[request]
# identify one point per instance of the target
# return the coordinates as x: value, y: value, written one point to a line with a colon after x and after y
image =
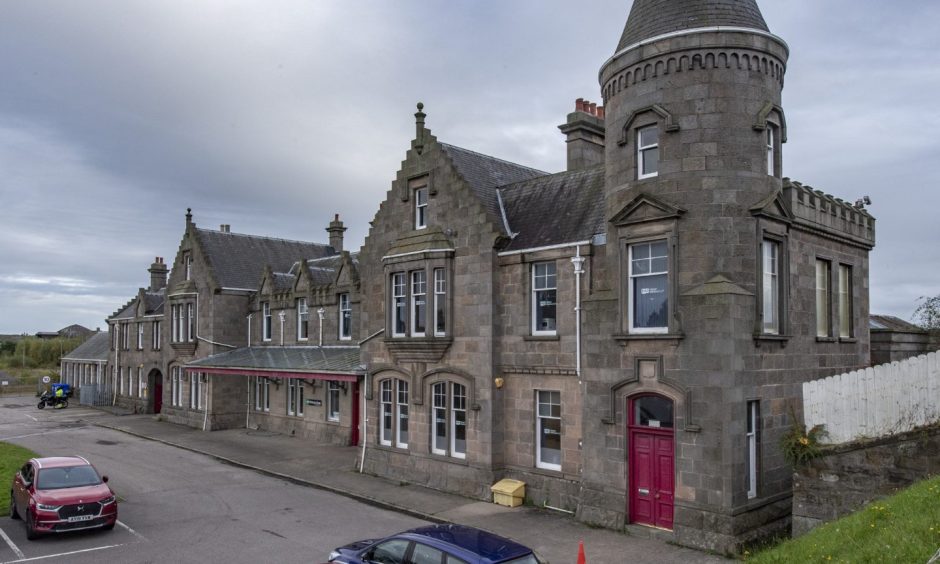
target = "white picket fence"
x: 883, y: 400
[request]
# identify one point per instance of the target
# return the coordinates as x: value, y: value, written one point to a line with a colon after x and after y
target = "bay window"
x: 440, y: 302
x: 419, y: 309
x: 399, y: 311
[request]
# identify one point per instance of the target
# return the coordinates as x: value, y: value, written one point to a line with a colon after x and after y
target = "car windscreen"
x: 66, y: 477
x: 527, y: 559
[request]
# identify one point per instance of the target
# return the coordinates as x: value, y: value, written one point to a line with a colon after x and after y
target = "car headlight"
x: 107, y: 500
x: 46, y: 507
x: 334, y: 555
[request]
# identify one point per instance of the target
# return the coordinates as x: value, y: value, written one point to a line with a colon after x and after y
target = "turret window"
x: 648, y: 307
x: 647, y: 151
x: 771, y: 154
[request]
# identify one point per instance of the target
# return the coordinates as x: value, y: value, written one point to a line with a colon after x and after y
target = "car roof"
x: 490, y: 547
x: 60, y: 461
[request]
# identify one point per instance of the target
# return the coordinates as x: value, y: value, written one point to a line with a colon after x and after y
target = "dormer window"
x: 266, y: 321
x: 421, y: 207
x: 647, y: 151
x: 303, y: 315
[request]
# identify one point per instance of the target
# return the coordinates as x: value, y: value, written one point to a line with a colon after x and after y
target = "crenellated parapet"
x: 827, y: 214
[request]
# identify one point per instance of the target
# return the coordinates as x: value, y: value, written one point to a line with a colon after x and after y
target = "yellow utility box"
x: 508, y: 492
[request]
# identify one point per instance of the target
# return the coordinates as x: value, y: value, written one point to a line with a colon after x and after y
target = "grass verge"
x: 902, y: 528
x: 11, y: 458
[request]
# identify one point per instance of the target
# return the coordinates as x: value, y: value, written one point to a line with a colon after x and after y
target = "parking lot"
x: 179, y: 506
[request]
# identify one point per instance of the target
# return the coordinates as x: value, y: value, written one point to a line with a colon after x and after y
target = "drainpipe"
x: 248, y: 401
x: 578, y: 262
x: 249, y: 329
x: 205, y: 420
x: 320, y: 313
x: 365, y: 423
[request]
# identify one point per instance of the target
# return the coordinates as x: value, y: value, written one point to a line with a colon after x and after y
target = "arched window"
x: 449, y: 417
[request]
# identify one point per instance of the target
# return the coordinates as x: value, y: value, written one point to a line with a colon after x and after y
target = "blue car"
x: 436, y: 544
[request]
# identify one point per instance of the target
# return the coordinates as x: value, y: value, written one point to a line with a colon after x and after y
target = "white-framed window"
x: 771, y: 157
x: 142, y: 384
x: 195, y: 390
x: 440, y: 302
x: 647, y: 151
x: 399, y: 305
x: 332, y: 400
x: 419, y: 303
x: 155, y: 336
x: 548, y: 430
x: 262, y: 394
x: 845, y: 301
x: 176, y: 391
x: 131, y: 388
x: 119, y: 374
x: 190, y: 323
x: 115, y: 336
x: 648, y: 302
x: 303, y: 319
x: 140, y: 336
x: 823, y: 291
x: 449, y: 406
x: 345, y: 318
x: 125, y: 336
x: 188, y: 265
x: 386, y: 420
x: 751, y: 455
x: 770, y: 255
x: 292, y: 386
x: 174, y: 324
x: 421, y: 208
x: 401, y: 414
x: 266, y: 321
x: 544, y: 298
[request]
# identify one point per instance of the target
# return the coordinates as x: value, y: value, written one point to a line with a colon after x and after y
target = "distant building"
x: 893, y: 339
x: 86, y: 363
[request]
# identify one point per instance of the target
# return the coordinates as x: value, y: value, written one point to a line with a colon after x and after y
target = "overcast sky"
x: 115, y: 116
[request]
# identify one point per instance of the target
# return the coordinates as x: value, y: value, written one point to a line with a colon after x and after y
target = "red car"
x: 63, y: 493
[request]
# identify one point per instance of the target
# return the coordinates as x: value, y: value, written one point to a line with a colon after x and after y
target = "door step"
x: 656, y: 533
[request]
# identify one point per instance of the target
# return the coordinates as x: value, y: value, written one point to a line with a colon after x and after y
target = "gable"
x: 774, y: 206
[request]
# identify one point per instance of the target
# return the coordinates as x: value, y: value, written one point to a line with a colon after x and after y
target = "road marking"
x: 31, y: 417
x: 132, y: 531
x: 11, y: 544
x: 34, y: 434
x: 63, y: 553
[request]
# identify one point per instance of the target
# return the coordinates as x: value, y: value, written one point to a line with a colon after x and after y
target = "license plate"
x: 81, y: 518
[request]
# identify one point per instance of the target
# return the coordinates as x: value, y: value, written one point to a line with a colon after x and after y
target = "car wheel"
x: 31, y: 533
x: 14, y: 514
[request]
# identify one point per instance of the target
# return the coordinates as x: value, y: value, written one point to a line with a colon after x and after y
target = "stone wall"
x: 849, y: 476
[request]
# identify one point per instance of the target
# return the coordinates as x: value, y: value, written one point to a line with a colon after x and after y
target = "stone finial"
x: 419, y: 128
x: 189, y: 216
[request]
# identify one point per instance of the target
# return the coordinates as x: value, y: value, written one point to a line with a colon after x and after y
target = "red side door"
x: 354, y: 422
x: 651, y: 462
x: 158, y: 394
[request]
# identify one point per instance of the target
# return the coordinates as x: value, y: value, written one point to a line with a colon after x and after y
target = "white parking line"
x: 31, y: 417
x: 12, y: 545
x: 34, y: 434
x: 63, y: 554
x: 132, y: 531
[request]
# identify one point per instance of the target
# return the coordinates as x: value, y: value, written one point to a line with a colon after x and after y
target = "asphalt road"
x: 178, y: 506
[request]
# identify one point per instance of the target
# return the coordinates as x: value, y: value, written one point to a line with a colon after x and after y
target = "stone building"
x: 136, y: 357
x: 86, y: 363
x: 627, y: 336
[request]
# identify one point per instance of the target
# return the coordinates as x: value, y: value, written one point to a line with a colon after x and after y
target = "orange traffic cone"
x: 581, y: 559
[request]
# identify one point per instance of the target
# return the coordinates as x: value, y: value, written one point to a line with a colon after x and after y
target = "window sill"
x: 825, y: 339
x: 848, y: 340
x: 768, y: 338
x: 541, y: 338
x: 625, y: 337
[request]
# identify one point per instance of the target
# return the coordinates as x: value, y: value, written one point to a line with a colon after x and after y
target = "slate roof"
x: 153, y: 302
x: 339, y: 360
x: 891, y: 323
x: 95, y: 348
x: 129, y: 310
x: 566, y: 207
x: 322, y: 271
x: 238, y: 260
x: 649, y: 18
x: 484, y: 174
x: 283, y: 282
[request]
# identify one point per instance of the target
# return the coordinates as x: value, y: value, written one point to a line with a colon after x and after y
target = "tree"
x: 927, y: 314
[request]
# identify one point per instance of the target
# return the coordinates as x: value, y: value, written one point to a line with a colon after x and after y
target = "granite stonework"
x: 848, y: 477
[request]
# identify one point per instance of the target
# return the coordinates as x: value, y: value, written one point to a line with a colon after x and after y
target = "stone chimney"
x: 585, y: 132
x: 158, y: 272
x: 336, y: 230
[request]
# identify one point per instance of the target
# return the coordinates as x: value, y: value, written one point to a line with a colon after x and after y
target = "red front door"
x: 158, y: 394
x: 651, y: 463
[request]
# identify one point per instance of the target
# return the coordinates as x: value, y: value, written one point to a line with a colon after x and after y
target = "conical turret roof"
x: 649, y: 18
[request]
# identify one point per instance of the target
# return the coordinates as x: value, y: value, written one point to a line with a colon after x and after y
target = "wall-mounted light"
x: 499, y: 383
